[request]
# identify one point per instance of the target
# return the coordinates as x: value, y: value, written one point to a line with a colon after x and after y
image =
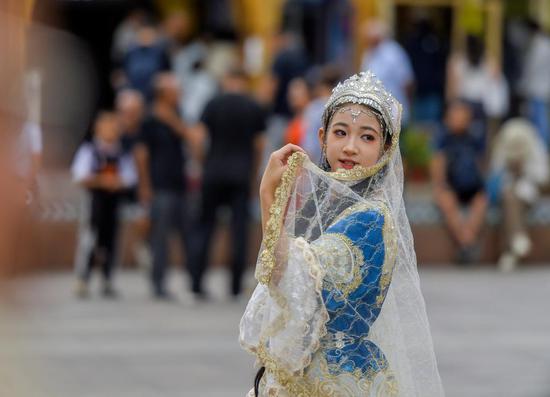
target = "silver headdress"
x: 365, y: 89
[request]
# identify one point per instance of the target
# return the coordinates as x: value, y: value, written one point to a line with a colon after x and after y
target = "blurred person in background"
x: 234, y: 124
x: 105, y: 169
x: 188, y: 58
x: 298, y: 98
x: 477, y: 79
x: 29, y: 156
x: 161, y: 158
x: 457, y: 179
x: 290, y: 61
x: 143, y: 61
x: 324, y: 80
x: 130, y: 108
x: 520, y: 164
x: 126, y: 34
x: 28, y: 150
x: 389, y: 61
x: 535, y: 80
x: 428, y: 54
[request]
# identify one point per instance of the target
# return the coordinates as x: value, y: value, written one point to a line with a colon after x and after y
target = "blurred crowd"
x: 191, y: 127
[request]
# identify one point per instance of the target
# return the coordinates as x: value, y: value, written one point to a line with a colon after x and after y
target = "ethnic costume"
x: 338, y: 309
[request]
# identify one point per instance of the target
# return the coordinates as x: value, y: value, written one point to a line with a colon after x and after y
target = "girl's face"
x: 107, y: 128
x: 354, y: 137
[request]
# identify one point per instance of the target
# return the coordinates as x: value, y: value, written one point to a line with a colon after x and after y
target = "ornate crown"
x: 365, y: 89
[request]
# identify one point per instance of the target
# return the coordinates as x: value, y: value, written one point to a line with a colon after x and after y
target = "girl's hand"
x: 274, y: 170
x: 272, y: 177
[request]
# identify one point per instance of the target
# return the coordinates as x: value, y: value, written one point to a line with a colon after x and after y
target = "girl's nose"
x: 350, y: 148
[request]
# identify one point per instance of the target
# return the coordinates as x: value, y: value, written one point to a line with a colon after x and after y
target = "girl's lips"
x: 348, y: 165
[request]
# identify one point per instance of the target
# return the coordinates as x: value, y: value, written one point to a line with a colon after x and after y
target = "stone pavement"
x: 491, y: 333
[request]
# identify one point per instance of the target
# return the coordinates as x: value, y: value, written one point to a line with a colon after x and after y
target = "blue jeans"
x: 168, y: 213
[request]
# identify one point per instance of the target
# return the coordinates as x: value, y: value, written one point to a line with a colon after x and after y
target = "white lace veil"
x: 285, y: 320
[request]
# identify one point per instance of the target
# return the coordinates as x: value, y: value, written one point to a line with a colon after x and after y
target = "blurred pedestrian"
x: 476, y: 78
x: 290, y: 61
x: 126, y: 34
x: 234, y: 123
x: 389, y: 61
x: 535, y: 80
x: 28, y: 149
x: 161, y: 160
x: 298, y: 98
x: 326, y: 79
x: 143, y: 61
x: 130, y: 108
x: 428, y: 52
x: 520, y: 164
x: 458, y: 180
x: 189, y: 55
x: 105, y: 169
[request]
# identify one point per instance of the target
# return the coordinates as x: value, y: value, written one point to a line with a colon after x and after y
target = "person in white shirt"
x: 535, y: 81
x: 520, y: 162
x: 389, y: 61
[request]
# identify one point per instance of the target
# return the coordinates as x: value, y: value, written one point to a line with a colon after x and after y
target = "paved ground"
x: 491, y: 331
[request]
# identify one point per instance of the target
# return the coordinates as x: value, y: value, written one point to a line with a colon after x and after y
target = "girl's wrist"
x: 266, y: 196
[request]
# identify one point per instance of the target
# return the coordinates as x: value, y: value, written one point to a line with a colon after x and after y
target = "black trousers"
x: 214, y: 196
x: 104, y: 226
x: 168, y: 214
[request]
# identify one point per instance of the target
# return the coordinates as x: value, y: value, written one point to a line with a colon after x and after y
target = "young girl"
x: 106, y: 170
x: 338, y: 309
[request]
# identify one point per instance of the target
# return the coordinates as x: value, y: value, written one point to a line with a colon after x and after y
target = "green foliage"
x: 415, y: 144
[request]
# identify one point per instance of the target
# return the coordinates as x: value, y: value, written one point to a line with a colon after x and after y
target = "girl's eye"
x: 368, y: 137
x: 340, y: 132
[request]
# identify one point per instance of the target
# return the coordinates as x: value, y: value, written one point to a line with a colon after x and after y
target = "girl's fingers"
x: 283, y: 153
x: 291, y: 148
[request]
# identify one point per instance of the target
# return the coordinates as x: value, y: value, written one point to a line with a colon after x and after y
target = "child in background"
x: 103, y: 168
x: 458, y: 181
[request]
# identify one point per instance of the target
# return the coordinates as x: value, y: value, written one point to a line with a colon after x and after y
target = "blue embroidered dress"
x: 310, y: 324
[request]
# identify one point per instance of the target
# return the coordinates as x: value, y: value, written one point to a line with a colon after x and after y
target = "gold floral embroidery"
x: 329, y: 251
x: 276, y: 215
x: 327, y: 383
x: 332, y: 372
x: 390, y: 254
x: 390, y: 241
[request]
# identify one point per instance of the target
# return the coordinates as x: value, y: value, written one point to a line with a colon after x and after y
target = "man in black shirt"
x: 161, y: 160
x: 234, y: 123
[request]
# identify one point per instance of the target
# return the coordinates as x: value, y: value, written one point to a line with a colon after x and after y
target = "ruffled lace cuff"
x: 285, y: 321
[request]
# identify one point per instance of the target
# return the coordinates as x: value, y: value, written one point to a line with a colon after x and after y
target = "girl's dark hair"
x: 257, y: 380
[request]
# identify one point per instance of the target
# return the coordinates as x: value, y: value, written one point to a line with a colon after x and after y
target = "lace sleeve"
x: 285, y: 320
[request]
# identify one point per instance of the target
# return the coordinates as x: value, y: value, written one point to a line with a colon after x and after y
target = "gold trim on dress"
x: 276, y: 215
